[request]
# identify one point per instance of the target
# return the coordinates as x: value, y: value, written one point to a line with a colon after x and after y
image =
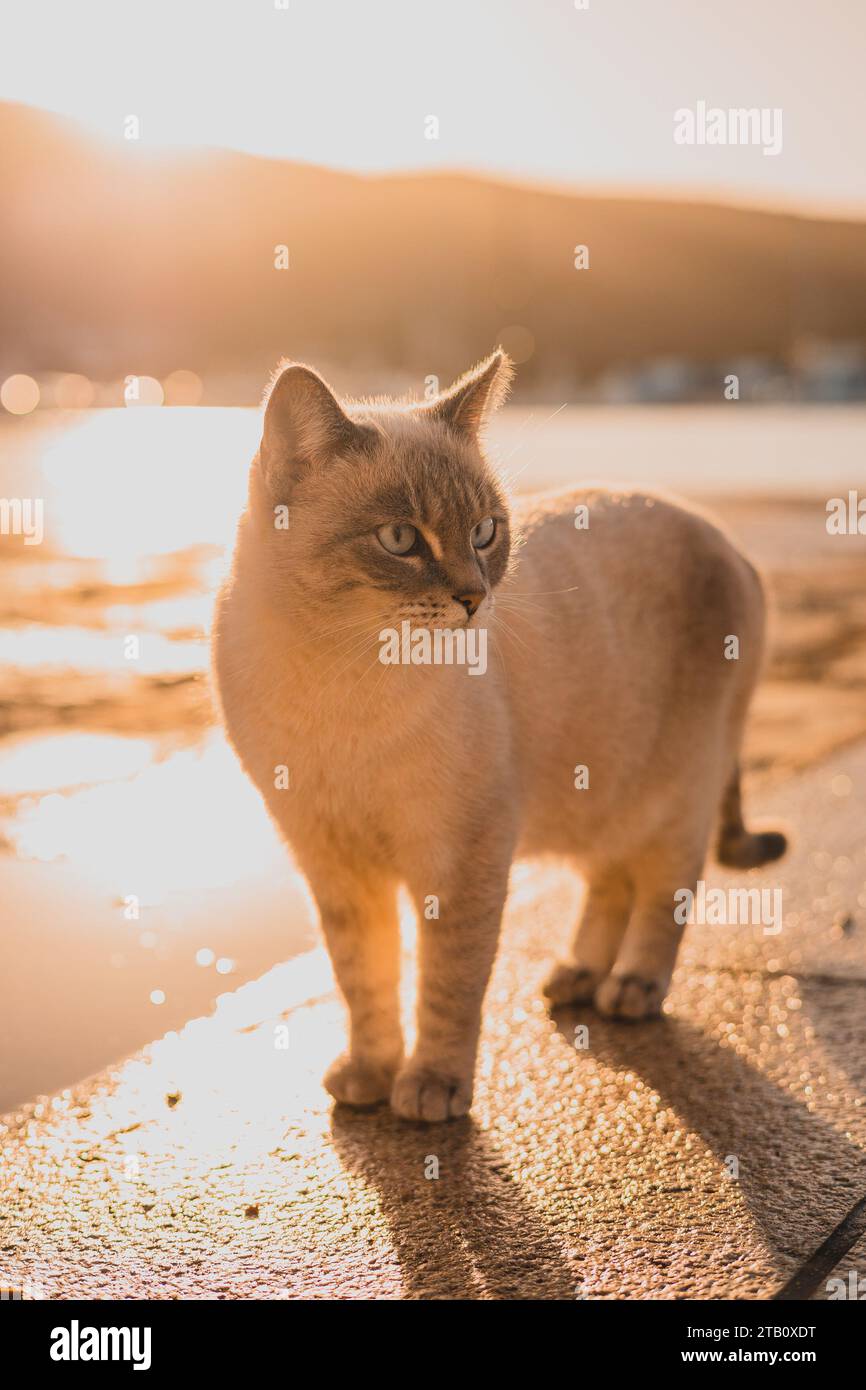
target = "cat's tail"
x: 736, y: 846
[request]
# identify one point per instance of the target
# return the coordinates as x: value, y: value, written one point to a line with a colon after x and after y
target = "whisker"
x: 357, y: 654
x: 538, y: 593
x: 529, y: 461
x: 345, y: 644
x: 519, y: 603
x: 503, y: 627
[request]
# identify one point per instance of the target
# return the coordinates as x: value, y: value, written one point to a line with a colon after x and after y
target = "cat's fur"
x: 607, y: 650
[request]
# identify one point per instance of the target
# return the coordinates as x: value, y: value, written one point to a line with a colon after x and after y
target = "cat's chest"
x: 344, y: 799
x: 345, y: 767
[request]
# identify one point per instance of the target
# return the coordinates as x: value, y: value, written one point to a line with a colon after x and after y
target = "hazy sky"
x: 532, y: 88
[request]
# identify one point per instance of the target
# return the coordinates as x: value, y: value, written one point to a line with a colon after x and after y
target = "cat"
x: 605, y: 729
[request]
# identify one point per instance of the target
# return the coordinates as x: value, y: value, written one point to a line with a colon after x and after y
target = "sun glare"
x: 127, y: 484
x: 164, y: 828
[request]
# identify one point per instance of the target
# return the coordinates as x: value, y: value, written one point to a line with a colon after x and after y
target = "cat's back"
x: 642, y: 549
x: 617, y: 580
x: 606, y: 516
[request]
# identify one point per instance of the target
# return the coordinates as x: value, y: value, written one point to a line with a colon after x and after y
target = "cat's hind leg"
x: 603, y: 922
x: 637, y: 984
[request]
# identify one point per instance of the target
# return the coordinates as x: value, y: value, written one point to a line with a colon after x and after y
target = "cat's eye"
x: 397, y: 538
x: 483, y: 533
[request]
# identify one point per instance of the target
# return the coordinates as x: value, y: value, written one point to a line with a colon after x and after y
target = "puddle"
x: 54, y: 761
x: 137, y: 900
x: 190, y: 824
x: 81, y: 650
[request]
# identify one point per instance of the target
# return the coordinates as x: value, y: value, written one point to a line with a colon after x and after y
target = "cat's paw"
x: 359, y: 1081
x: 629, y: 997
x: 422, y: 1093
x: 568, y: 983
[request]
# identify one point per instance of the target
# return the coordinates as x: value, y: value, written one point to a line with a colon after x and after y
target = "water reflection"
x: 191, y: 824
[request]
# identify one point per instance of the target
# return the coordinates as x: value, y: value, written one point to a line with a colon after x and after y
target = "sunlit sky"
x: 523, y: 88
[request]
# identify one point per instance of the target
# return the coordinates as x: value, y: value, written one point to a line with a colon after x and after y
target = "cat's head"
x: 382, y: 512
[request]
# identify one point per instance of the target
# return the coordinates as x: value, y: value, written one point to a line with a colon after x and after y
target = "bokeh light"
x: 74, y: 392
x: 518, y: 342
x: 19, y: 394
x: 142, y: 390
x: 183, y: 388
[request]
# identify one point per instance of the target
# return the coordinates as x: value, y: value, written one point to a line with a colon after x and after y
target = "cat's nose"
x: 470, y: 601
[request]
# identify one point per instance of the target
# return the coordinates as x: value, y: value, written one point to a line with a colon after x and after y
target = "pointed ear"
x: 470, y: 401
x: 304, y: 422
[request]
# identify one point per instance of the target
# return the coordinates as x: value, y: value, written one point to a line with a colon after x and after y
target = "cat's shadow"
x: 468, y: 1233
x: 471, y: 1232
x: 797, y: 1173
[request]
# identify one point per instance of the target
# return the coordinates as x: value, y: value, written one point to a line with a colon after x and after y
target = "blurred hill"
x: 119, y: 260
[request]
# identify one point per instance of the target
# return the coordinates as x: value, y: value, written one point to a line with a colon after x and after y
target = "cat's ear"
x: 469, y: 402
x: 304, y: 423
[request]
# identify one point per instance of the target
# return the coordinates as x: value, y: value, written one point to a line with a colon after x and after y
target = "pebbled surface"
x: 703, y: 1155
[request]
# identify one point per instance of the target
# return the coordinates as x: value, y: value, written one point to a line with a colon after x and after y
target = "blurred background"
x: 387, y: 191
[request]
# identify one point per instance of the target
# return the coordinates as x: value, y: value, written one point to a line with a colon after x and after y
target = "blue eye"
x: 483, y: 533
x: 398, y: 538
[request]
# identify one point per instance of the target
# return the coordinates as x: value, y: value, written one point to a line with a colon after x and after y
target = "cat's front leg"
x: 456, y: 953
x: 359, y: 921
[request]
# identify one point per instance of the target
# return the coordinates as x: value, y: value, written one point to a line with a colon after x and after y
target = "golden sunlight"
x: 125, y: 485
